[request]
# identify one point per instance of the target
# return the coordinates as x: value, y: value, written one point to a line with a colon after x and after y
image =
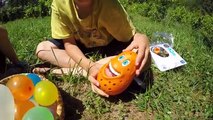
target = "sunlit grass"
x: 183, y: 93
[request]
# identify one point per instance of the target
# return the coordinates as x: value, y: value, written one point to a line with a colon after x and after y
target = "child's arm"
x: 76, y: 54
x: 92, y: 68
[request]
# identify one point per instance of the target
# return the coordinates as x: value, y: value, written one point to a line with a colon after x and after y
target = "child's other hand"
x: 141, y: 43
x: 98, y: 91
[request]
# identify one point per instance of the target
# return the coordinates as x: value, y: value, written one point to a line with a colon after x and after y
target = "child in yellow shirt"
x: 80, y: 27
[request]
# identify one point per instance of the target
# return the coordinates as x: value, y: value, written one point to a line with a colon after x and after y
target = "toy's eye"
x: 125, y: 62
x: 121, y: 57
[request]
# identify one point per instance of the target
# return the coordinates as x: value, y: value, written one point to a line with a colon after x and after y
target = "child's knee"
x: 40, y: 47
x: 43, y: 47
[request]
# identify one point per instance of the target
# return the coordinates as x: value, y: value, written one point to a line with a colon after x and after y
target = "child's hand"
x: 98, y: 91
x: 141, y: 43
x: 92, y: 78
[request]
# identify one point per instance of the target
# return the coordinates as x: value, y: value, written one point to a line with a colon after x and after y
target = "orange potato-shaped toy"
x: 116, y: 75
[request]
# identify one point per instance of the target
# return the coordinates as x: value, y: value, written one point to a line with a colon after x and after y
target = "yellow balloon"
x: 46, y: 93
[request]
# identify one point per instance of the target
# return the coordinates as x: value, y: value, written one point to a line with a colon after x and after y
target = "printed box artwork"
x: 165, y: 57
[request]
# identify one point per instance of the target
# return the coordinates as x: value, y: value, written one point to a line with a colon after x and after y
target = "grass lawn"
x: 183, y: 93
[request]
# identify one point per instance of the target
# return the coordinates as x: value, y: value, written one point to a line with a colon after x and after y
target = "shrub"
x: 10, y: 13
x: 196, y: 14
x: 206, y: 30
x: 24, y: 8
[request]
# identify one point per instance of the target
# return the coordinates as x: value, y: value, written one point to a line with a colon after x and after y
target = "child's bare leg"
x: 77, y: 70
x: 47, y: 51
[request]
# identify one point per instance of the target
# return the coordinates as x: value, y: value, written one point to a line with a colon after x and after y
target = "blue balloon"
x: 34, y: 77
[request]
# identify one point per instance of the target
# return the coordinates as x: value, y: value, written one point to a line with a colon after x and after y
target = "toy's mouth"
x: 110, y: 71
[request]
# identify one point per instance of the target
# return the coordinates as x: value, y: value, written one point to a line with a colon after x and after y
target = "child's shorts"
x: 113, y: 48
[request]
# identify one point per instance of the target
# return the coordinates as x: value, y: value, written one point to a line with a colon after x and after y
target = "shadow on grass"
x: 130, y: 93
x: 208, y: 42
x: 73, y: 108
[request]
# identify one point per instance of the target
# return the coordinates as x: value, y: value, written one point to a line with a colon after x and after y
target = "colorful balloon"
x: 21, y: 87
x: 34, y: 77
x: 6, y: 103
x: 21, y: 108
x: 38, y: 113
x: 46, y: 93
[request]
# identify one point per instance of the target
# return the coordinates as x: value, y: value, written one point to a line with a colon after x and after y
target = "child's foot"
x: 59, y: 71
x: 40, y: 70
x: 68, y: 71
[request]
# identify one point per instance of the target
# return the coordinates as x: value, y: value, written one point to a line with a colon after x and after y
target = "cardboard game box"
x: 165, y: 57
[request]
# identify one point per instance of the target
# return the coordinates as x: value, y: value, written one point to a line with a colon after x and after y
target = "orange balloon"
x: 21, y: 87
x: 116, y: 75
x: 21, y: 107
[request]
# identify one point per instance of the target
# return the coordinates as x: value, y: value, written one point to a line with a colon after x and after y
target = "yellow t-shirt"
x: 108, y: 20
